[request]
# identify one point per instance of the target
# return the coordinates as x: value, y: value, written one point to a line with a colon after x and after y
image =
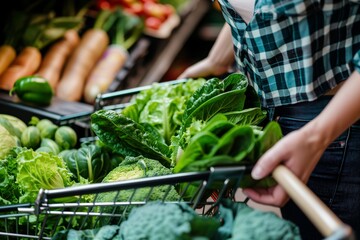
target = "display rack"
x: 148, y: 61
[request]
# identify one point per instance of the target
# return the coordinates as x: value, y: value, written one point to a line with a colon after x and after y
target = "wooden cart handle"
x: 317, y: 212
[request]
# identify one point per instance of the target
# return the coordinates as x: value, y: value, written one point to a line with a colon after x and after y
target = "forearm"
x: 222, y: 52
x: 219, y: 60
x: 342, y: 111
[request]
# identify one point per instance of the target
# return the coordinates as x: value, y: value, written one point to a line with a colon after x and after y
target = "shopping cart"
x: 42, y: 219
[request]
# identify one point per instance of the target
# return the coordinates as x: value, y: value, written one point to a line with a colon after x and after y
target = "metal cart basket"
x: 53, y: 208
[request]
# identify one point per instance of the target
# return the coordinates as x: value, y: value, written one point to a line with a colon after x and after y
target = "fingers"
x: 274, y: 196
x: 269, y: 160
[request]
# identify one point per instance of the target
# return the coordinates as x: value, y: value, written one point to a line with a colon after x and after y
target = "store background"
x: 194, y: 47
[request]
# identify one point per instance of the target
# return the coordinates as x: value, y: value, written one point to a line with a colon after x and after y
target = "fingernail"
x: 256, y: 173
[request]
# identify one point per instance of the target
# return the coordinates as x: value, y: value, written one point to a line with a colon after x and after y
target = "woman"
x: 303, y: 59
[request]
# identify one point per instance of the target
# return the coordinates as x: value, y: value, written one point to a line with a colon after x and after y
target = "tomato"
x: 136, y: 8
x: 153, y: 23
x: 155, y: 10
x: 168, y: 10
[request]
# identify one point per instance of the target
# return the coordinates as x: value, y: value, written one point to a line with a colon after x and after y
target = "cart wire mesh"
x: 80, y: 207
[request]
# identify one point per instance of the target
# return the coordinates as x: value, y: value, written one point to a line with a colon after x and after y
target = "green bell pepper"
x: 33, y: 89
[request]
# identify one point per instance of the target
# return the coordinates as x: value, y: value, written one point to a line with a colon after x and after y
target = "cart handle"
x: 317, y: 212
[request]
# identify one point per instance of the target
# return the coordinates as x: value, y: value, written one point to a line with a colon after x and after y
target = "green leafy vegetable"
x: 162, y: 106
x: 40, y: 170
x: 90, y: 161
x: 106, y: 232
x: 216, y: 96
x: 242, y: 222
x: 134, y: 168
x: 9, y: 189
x: 222, y: 143
x: 128, y: 137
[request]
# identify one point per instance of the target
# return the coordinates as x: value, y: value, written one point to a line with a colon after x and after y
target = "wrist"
x: 317, y: 134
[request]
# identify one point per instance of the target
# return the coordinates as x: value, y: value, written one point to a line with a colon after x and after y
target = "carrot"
x: 104, y: 72
x: 55, y: 58
x: 124, y: 30
x: 92, y: 45
x: 25, y: 63
x: 7, y: 56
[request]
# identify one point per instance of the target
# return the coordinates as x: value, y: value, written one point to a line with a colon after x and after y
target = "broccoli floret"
x: 136, y: 167
x: 242, y: 222
x: 104, y: 233
x: 132, y: 168
x: 167, y: 221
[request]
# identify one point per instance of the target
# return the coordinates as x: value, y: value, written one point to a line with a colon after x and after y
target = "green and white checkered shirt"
x: 295, y: 51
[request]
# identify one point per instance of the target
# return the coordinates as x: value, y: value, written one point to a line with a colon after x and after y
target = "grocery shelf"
x: 149, y: 60
x: 161, y: 53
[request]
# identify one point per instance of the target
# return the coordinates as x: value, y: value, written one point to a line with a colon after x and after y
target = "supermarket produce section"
x: 146, y: 53
x: 96, y: 142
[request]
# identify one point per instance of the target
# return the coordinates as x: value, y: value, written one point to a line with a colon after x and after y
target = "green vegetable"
x: 40, y: 170
x: 222, y: 143
x: 33, y: 89
x: 89, y: 161
x: 10, y: 127
x: 216, y: 96
x: 15, y: 122
x: 134, y: 168
x: 127, y: 137
x: 162, y: 106
x: 48, y: 131
x: 66, y: 137
x: 9, y: 138
x: 8, y: 142
x: 44, y: 149
x: 41, y: 124
x: 31, y: 137
x: 124, y: 29
x: 242, y: 222
x: 232, y: 97
x: 106, y: 232
x: 170, y: 221
x: 9, y: 189
x: 51, y: 144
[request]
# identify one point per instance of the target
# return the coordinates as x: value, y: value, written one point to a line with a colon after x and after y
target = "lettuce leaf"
x: 40, y: 170
x: 127, y: 137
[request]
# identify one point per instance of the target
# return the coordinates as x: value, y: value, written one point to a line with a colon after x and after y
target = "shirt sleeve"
x: 356, y: 61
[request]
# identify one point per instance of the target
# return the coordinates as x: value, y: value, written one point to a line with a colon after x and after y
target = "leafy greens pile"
x: 160, y: 122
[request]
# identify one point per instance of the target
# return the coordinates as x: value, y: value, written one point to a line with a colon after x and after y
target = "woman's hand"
x: 299, y: 151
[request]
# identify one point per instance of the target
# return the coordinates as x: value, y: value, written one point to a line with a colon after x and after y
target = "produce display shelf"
x: 149, y: 59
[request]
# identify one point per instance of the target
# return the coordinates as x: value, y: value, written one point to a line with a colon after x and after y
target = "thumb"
x: 266, y: 164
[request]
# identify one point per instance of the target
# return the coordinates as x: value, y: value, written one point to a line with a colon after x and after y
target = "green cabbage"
x: 8, y: 142
x: 40, y: 170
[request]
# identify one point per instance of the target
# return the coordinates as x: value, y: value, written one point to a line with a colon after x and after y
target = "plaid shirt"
x: 297, y: 50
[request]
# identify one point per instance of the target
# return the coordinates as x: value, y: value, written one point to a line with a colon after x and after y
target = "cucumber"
x: 30, y: 137
x: 66, y: 137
